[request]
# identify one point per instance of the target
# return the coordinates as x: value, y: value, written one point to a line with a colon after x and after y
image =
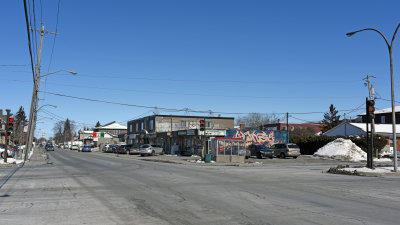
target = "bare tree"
x: 58, y: 131
x: 257, y: 120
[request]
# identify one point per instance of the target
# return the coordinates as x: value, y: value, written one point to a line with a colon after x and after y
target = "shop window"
x: 383, y: 119
x: 151, y: 124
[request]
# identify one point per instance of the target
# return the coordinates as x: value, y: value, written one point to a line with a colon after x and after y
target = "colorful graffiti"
x: 268, y: 137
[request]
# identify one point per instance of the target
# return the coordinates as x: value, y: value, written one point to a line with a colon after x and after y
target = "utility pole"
x: 5, y: 154
x: 370, y: 93
x: 287, y: 127
x: 35, y: 99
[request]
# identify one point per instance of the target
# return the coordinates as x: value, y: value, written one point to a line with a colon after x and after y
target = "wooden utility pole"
x: 35, y: 99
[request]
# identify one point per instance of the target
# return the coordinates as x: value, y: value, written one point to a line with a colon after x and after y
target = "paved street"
x: 99, y: 188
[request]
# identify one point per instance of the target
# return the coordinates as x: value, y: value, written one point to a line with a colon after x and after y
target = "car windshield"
x: 293, y: 146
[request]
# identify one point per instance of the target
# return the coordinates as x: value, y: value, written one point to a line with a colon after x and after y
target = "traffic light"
x: 370, y: 109
x: 201, y: 125
x: 11, y: 124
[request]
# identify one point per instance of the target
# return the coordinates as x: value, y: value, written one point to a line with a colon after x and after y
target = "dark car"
x: 113, y: 148
x: 122, y: 149
x: 49, y: 147
x: 86, y: 148
x: 260, y: 151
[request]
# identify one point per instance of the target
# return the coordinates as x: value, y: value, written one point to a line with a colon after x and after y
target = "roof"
x: 379, y: 128
x: 178, y: 116
x: 112, y: 126
x: 386, y: 110
x: 359, y: 128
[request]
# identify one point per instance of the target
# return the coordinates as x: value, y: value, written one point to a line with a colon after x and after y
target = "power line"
x: 191, y: 94
x: 29, y: 37
x: 169, y: 109
x: 208, y: 81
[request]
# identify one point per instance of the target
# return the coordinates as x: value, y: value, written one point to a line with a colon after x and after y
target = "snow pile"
x: 11, y: 161
x: 342, y: 149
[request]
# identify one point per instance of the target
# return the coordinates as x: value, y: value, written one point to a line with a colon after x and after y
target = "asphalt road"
x: 99, y: 188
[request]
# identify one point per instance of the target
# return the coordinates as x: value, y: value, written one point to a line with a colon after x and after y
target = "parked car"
x: 106, y: 148
x: 149, y: 149
x: 242, y: 151
x: 286, y: 150
x: 86, y: 148
x: 260, y: 151
x: 10, y: 153
x: 74, y: 147
x: 113, y: 148
x: 134, y: 149
x: 49, y: 147
x: 122, y: 149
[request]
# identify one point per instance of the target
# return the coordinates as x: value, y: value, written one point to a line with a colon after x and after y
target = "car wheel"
x: 153, y: 153
x: 142, y: 155
x: 259, y: 156
x: 162, y: 152
x: 294, y: 157
x: 271, y: 157
x: 2, y: 155
x: 282, y: 155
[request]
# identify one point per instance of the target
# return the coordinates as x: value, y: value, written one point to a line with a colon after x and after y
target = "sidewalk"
x: 39, y: 157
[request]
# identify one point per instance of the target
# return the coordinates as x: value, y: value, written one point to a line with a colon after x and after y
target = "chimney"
x: 242, y: 126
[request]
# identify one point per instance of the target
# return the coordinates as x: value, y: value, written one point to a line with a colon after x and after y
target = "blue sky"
x: 231, y: 56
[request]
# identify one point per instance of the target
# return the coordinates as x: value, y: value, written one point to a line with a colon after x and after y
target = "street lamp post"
x: 390, y: 47
x: 34, y: 110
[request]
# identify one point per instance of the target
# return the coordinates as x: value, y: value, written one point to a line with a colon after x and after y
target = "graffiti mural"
x: 267, y: 137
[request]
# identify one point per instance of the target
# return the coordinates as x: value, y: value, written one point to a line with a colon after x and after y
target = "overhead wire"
x: 29, y: 38
x: 171, y: 109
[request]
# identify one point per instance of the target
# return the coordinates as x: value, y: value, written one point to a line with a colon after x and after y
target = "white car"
x: 74, y: 147
x: 149, y: 149
x: 10, y: 153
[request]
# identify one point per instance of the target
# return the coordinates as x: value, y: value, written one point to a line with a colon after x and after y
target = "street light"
x: 34, y: 105
x: 54, y: 106
x: 390, y: 47
x: 72, y: 72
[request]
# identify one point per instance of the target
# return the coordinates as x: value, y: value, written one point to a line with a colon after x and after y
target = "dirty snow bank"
x: 342, y: 149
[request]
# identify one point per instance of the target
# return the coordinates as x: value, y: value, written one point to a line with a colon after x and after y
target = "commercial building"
x: 175, y: 133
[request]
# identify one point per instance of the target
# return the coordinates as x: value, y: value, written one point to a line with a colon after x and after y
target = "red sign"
x: 94, y: 134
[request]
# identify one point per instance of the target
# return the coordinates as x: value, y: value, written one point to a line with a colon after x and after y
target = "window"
x: 130, y: 128
x: 284, y: 128
x: 183, y: 123
x: 116, y: 132
x: 137, y: 127
x: 383, y: 119
x: 208, y: 124
x: 142, y: 126
x: 151, y: 124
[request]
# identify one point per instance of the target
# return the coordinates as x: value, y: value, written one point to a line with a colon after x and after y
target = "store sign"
x: 182, y: 132
x: 190, y: 132
x: 214, y: 133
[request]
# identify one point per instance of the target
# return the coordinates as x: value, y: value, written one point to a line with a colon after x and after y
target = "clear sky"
x: 233, y: 56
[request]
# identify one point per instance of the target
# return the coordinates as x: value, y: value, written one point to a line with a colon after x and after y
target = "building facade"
x: 317, y: 127
x: 176, y: 133
x: 384, y: 116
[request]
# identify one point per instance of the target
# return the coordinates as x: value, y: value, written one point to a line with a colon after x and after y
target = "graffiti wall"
x: 268, y: 137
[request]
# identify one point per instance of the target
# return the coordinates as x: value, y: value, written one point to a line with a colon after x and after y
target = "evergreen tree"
x: 19, y: 137
x: 98, y: 124
x: 331, y: 119
x: 67, y: 130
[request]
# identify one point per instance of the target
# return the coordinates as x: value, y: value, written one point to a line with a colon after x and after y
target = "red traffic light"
x: 10, y: 120
x: 201, y: 121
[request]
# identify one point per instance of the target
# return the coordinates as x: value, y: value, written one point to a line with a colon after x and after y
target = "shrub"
x: 309, y: 145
